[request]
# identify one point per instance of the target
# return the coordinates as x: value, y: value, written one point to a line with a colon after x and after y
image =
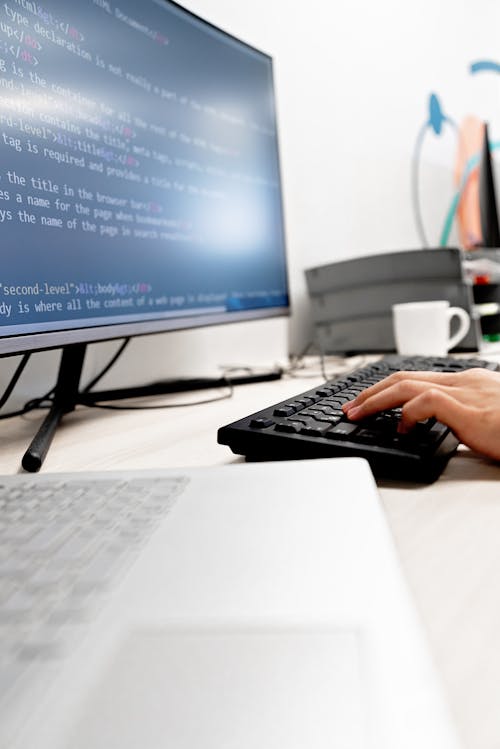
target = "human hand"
x: 468, y: 402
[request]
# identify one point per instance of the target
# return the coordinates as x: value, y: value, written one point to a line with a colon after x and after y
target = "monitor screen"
x: 139, y: 174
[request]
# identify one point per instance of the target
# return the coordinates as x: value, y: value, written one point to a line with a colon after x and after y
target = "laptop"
x: 263, y: 606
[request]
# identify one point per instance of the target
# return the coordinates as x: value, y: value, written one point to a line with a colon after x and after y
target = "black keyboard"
x: 312, y: 425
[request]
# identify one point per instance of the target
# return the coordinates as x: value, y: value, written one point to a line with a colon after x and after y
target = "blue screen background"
x: 139, y: 172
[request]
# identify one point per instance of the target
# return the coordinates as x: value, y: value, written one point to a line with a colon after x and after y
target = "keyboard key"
x: 351, y: 393
x: 318, y: 430
x: 284, y: 411
x: 296, y: 405
x: 341, y: 399
x: 261, y: 423
x: 385, y: 423
x: 337, y: 404
x: 290, y: 427
x: 436, y: 432
x: 326, y: 409
x: 328, y: 418
x: 344, y: 430
x: 306, y: 401
x: 46, y: 538
x: 369, y: 436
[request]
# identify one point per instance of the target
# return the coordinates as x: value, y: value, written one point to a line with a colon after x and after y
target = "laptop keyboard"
x: 64, y: 542
x: 313, y: 425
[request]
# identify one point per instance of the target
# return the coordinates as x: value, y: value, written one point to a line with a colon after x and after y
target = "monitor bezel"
x: 19, y: 343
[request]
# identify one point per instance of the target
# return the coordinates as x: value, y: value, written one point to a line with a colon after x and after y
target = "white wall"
x: 353, y: 80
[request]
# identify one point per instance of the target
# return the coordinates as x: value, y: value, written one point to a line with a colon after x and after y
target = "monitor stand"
x: 67, y: 396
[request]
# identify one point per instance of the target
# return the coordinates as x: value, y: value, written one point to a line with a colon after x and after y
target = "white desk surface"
x: 447, y: 534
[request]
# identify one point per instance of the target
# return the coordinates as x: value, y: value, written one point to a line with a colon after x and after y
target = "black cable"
x: 39, y: 402
x: 46, y: 401
x: 108, y: 366
x: 111, y: 407
x: 30, y: 405
x: 21, y: 412
x: 17, y: 374
x: 296, y: 362
x: 313, y: 346
x: 322, y: 364
x: 27, y: 408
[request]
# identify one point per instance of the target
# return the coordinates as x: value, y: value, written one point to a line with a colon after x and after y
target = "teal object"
x: 436, y: 115
x: 469, y: 167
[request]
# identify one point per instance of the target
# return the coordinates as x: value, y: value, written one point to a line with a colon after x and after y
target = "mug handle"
x: 463, y: 329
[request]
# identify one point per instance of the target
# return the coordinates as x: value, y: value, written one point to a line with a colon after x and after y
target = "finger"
x: 391, y: 397
x: 440, y: 404
x: 439, y: 378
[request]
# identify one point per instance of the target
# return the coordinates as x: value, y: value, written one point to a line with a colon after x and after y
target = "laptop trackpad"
x: 244, y: 689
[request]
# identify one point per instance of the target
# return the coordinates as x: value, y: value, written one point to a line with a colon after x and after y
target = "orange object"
x: 470, y: 139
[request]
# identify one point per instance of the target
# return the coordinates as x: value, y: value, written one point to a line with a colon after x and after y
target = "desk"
x: 447, y: 534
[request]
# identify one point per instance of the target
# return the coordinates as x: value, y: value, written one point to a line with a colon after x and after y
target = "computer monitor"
x: 139, y: 177
x: 490, y: 229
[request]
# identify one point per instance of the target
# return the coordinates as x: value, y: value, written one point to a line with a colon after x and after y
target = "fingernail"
x: 352, y: 413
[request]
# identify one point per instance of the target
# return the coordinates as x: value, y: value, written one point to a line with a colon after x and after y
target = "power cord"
x: 15, y: 377
x: 31, y: 405
x: 341, y: 364
x: 45, y: 401
x: 112, y: 407
x: 108, y: 366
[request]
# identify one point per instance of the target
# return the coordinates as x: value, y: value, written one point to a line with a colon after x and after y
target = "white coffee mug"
x: 423, y: 328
